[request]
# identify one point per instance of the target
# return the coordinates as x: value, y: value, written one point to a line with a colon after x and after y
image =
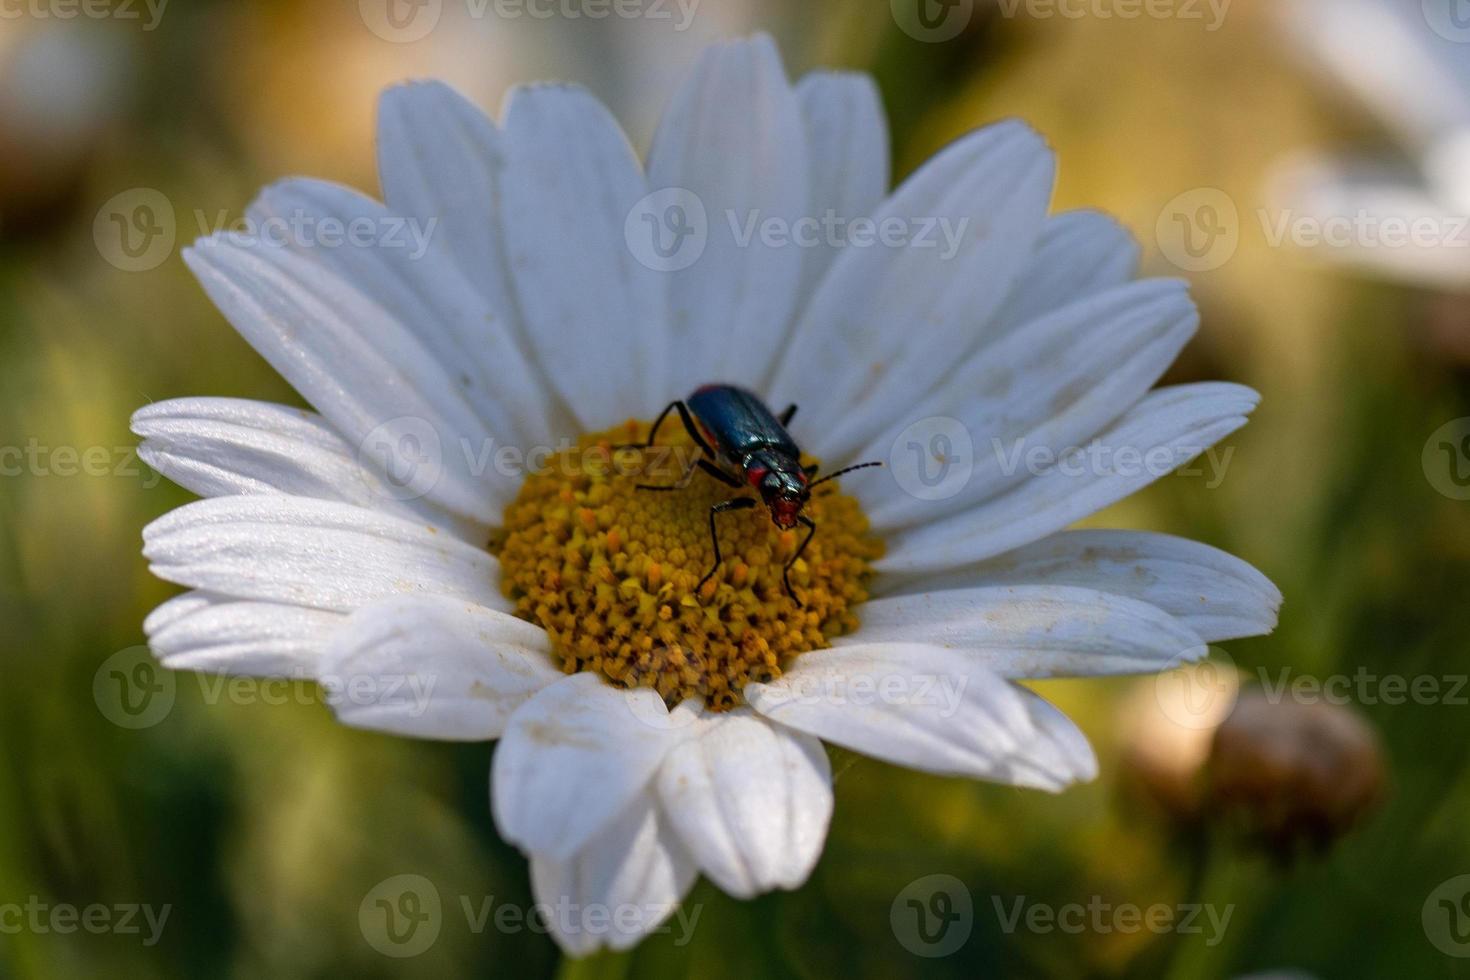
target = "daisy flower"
x: 653, y: 726
x: 1407, y: 63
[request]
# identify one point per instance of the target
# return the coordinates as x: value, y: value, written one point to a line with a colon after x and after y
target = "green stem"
x: 1166, y: 959
x: 599, y: 966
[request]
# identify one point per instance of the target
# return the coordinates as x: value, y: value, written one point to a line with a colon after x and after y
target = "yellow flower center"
x: 610, y: 570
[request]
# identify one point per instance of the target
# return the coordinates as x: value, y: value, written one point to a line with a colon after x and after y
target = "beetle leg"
x: 811, y: 469
x: 699, y: 464
x: 689, y: 427
x: 734, y: 503
x: 653, y: 432
x: 785, y: 417
x: 718, y: 474
x: 811, y: 533
x: 699, y: 441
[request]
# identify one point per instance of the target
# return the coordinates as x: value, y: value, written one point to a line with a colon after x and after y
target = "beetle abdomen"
x: 738, y: 421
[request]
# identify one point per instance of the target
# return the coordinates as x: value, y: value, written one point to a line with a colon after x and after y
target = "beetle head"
x: 782, y: 484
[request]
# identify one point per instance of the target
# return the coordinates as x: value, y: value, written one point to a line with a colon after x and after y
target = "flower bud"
x: 1294, y: 773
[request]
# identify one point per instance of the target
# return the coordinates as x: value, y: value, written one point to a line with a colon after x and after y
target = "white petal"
x: 920, y: 706
x: 361, y: 367
x: 314, y: 553
x: 751, y: 802
x: 847, y: 148
x: 1385, y: 54
x: 1051, y: 384
x: 433, y: 667
x: 1338, y: 195
x: 573, y: 757
x: 595, y: 315
x: 1079, y: 254
x: 622, y: 886
x: 441, y: 160
x: 885, y: 314
x: 214, y: 634
x: 218, y: 447
x: 1161, y: 433
x: 420, y: 287
x: 733, y: 137
x: 1215, y: 595
x: 1034, y: 631
x: 1062, y: 748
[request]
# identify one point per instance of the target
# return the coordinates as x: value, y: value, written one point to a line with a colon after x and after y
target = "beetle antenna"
x: 833, y: 476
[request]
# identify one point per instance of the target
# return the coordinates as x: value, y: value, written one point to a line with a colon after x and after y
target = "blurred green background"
x: 263, y: 826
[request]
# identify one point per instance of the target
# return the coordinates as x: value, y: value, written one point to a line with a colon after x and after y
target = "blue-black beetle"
x: 733, y: 428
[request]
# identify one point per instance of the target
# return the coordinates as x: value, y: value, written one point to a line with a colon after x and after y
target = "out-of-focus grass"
x: 264, y: 826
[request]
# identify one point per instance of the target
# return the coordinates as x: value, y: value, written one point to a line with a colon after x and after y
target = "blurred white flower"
x: 62, y: 85
x: 1403, y: 213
